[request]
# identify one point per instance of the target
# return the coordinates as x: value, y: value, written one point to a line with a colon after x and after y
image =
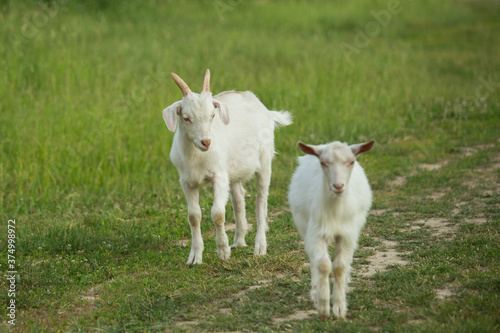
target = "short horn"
x: 181, y: 84
x: 206, y: 82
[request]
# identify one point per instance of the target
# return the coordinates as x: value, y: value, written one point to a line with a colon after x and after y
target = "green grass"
x: 84, y: 164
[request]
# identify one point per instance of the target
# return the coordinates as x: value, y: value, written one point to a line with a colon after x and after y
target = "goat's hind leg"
x: 263, y: 181
x: 240, y: 221
x: 194, y: 217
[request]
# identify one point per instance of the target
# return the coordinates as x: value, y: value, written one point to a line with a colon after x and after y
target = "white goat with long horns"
x: 225, y: 140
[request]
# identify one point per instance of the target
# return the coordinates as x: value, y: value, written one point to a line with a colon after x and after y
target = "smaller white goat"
x: 225, y: 140
x: 329, y: 198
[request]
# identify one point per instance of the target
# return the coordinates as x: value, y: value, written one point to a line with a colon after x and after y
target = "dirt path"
x: 386, y: 254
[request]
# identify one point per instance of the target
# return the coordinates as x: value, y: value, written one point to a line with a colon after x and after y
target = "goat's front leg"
x: 221, y: 195
x: 194, y: 217
x: 344, y: 251
x: 321, y: 267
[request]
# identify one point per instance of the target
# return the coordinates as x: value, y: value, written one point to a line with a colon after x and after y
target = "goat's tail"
x: 281, y: 118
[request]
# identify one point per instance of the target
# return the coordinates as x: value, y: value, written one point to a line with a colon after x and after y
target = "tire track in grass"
x: 387, y: 255
x: 442, y: 227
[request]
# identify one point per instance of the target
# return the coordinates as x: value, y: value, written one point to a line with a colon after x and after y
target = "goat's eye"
x: 351, y: 163
x: 323, y: 164
x: 187, y: 119
x: 213, y: 116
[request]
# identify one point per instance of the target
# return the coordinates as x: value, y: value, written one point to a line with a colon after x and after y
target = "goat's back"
x: 249, y: 136
x: 244, y: 105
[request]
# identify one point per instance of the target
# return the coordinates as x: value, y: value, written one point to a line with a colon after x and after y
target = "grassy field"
x: 101, y: 235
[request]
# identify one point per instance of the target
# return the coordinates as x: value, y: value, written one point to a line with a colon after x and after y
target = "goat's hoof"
x: 323, y: 316
x: 260, y: 250
x: 238, y: 244
x: 260, y: 253
x: 224, y: 253
x: 339, y: 311
x: 191, y: 263
x: 194, y: 260
x: 313, y: 295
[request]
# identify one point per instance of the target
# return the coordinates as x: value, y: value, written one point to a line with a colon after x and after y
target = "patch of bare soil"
x: 496, y: 163
x: 432, y: 166
x: 90, y: 296
x: 468, y: 151
x: 444, y: 293
x: 477, y: 220
x: 241, y: 294
x: 458, y: 206
x: 486, y: 146
x: 185, y: 324
x: 226, y: 311
x: 398, y: 181
x: 416, y: 321
x: 401, y: 180
x: 297, y: 315
x: 89, y: 299
x: 383, y: 258
x: 439, y: 194
x: 439, y: 226
x: 378, y: 212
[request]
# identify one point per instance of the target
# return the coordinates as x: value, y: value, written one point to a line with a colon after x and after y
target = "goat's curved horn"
x: 181, y: 84
x: 206, y: 81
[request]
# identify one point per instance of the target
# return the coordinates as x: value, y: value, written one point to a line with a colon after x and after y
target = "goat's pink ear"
x: 361, y: 148
x: 170, y: 115
x: 309, y: 149
x: 223, y: 111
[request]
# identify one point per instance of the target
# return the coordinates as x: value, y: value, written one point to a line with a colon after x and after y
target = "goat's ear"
x: 223, y: 111
x: 361, y: 148
x: 310, y: 149
x: 170, y: 115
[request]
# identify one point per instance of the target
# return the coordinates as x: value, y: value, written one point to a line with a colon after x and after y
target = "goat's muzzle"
x: 206, y: 143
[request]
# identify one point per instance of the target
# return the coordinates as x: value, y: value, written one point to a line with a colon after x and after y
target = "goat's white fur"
x: 329, y: 198
x: 225, y: 140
